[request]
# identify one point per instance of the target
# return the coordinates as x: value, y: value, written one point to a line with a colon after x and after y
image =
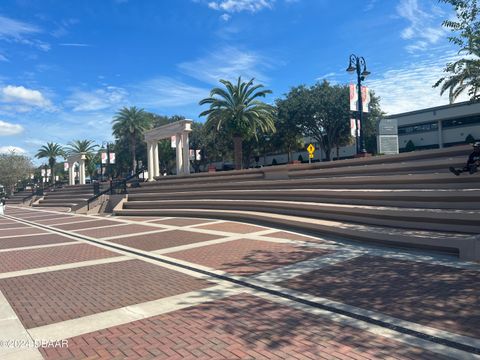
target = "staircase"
x: 18, y: 197
x: 403, y: 200
x: 67, y: 196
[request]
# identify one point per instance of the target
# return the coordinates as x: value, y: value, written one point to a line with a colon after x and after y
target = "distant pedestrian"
x: 2, y: 206
x: 473, y: 161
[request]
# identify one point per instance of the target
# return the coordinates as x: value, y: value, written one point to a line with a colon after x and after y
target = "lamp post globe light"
x: 357, y: 64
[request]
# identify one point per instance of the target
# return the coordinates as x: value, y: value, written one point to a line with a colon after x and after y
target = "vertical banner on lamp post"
x: 65, y: 166
x: 112, y: 158
x: 365, y: 98
x: 353, y: 97
x: 104, y: 157
x: 353, y: 127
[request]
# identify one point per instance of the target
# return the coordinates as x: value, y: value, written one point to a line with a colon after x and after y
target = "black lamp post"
x: 358, y: 64
x: 107, y: 145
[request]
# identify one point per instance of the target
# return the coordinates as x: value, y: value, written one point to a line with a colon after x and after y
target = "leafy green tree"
x: 288, y: 136
x: 86, y: 147
x: 469, y: 139
x: 51, y: 151
x: 464, y: 74
x: 236, y: 112
x: 14, y: 168
x: 130, y: 123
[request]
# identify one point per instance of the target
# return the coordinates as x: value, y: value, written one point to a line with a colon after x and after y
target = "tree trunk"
x: 134, y: 158
x: 327, y: 154
x: 338, y: 153
x: 237, y: 150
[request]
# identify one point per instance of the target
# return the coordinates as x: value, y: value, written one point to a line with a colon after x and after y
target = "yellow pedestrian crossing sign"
x: 311, y: 149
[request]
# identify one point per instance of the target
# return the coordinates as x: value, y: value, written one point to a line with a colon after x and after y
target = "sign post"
x: 311, y: 150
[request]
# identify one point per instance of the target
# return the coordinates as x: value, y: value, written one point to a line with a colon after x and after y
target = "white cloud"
x: 9, y: 149
x: 14, y: 29
x: 98, y: 99
x: 232, y: 6
x: 424, y: 28
x: 3, y: 58
x: 410, y: 87
x: 7, y: 129
x: 167, y: 92
x: 228, y: 63
x: 20, y: 32
x: 22, y: 95
x: 225, y: 17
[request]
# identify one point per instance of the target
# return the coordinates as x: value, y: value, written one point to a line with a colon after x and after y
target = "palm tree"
x: 130, y: 123
x: 50, y: 151
x: 465, y: 75
x: 86, y: 147
x: 237, y: 112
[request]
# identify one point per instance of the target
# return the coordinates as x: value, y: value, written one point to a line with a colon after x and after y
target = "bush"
x: 469, y: 139
x: 274, y: 161
x: 410, y: 146
x: 300, y: 158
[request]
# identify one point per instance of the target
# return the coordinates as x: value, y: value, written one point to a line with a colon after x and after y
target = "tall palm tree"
x: 130, y: 123
x: 86, y: 147
x: 465, y: 75
x: 237, y: 111
x: 50, y: 151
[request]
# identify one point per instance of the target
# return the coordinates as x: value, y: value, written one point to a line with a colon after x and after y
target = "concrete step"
x: 60, y: 201
x: 427, y: 199
x: 410, y: 218
x: 467, y: 246
x: 414, y: 181
x: 66, y: 205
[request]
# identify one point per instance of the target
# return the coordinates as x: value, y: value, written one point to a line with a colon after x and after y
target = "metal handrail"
x: 115, y: 186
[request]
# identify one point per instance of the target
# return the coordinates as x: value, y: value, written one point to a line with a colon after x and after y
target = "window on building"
x: 464, y: 121
x: 431, y: 126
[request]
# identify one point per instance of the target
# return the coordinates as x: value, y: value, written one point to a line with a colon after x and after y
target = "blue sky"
x: 66, y: 66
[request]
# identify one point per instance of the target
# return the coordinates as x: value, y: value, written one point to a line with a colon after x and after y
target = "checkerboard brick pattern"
x: 18, y: 242
x: 182, y: 221
x: 239, y: 327
x: 50, y: 297
x: 248, y: 257
x: 57, y: 219
x: 109, y: 231
x: 233, y: 227
x: 85, y: 224
x: 22, y: 231
x: 10, y: 225
x: 290, y: 236
x: 163, y: 240
x: 36, y: 258
x: 438, y: 296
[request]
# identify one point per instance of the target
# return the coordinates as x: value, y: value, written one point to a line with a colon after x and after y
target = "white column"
x: 151, y: 170
x: 179, y: 143
x: 156, y: 165
x: 71, y: 173
x: 186, y: 153
x: 81, y: 169
x: 440, y: 134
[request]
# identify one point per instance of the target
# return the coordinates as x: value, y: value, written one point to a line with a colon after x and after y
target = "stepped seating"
x: 67, y: 196
x: 18, y: 197
x: 403, y: 200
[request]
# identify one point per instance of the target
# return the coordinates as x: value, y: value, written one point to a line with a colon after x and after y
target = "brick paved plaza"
x: 178, y: 288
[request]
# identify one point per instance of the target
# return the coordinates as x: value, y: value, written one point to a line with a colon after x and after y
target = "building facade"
x: 440, y: 126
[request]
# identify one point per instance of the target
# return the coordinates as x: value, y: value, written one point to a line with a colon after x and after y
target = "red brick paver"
x: 290, y: 236
x: 164, y: 239
x: 182, y: 221
x: 14, y: 242
x: 247, y: 257
x: 438, y: 296
x: 50, y: 297
x: 233, y: 227
x: 85, y: 224
x: 22, y: 231
x: 109, y: 231
x: 239, y: 327
x: 10, y: 225
x: 35, y: 258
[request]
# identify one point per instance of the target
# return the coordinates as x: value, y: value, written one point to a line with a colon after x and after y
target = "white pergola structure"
x: 180, y: 130
x: 72, y: 159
